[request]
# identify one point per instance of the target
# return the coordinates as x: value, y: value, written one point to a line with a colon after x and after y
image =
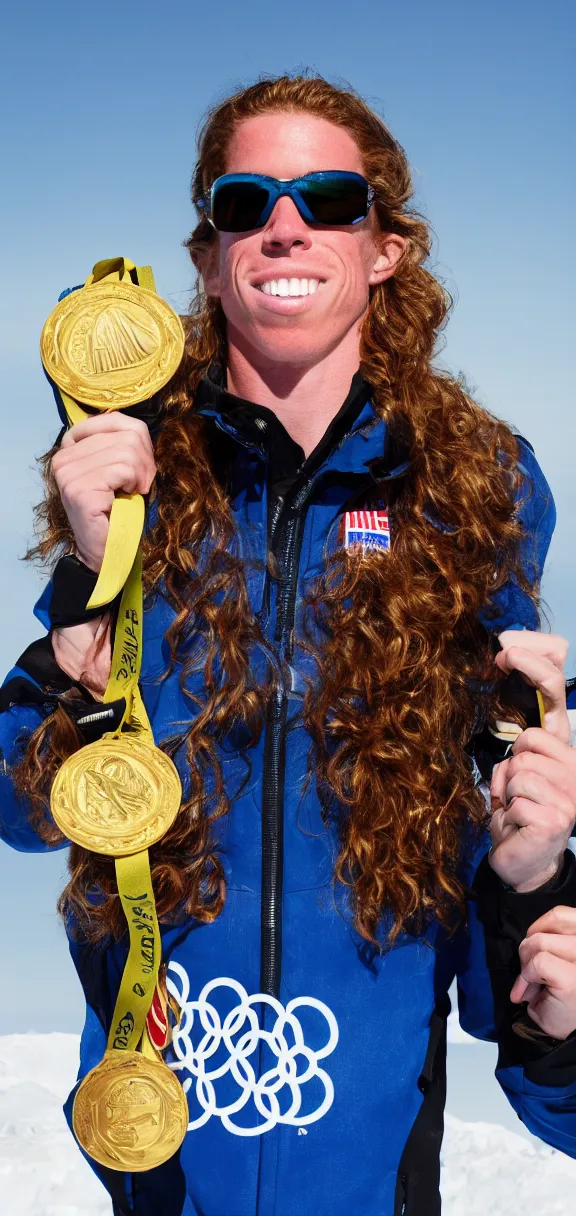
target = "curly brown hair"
x: 402, y: 651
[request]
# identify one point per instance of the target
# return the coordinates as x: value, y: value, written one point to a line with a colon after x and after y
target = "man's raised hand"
x: 103, y: 454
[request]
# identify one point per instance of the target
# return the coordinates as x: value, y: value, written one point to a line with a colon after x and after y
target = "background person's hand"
x: 548, y: 972
x: 105, y: 453
x: 533, y: 792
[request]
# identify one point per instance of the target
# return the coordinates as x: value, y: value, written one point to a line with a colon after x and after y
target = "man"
x: 337, y: 535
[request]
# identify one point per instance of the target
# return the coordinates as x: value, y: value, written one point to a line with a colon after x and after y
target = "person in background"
x: 342, y: 559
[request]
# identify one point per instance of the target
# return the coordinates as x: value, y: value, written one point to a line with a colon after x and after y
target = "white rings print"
x: 251, y: 1078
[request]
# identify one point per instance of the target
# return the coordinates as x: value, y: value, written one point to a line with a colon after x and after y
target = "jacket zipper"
x: 404, y: 1184
x: 287, y: 541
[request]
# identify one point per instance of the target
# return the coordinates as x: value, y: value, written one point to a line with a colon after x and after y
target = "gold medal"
x: 130, y: 1112
x: 117, y: 796
x: 112, y: 344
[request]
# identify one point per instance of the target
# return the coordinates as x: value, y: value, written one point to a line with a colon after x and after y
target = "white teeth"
x: 289, y: 287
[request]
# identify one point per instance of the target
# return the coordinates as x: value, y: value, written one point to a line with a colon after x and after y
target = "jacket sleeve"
x: 27, y: 697
x: 32, y: 691
x: 511, y: 607
x: 538, y: 1075
x: 17, y: 723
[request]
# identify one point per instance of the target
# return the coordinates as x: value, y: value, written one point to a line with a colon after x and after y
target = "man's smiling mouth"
x: 289, y: 287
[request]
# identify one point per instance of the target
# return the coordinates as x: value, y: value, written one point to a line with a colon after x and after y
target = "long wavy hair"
x: 402, y: 659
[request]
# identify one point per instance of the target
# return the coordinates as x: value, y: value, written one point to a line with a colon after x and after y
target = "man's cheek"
x: 232, y: 298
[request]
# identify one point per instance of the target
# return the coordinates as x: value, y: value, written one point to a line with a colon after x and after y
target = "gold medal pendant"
x: 117, y: 796
x: 112, y: 344
x: 130, y: 1112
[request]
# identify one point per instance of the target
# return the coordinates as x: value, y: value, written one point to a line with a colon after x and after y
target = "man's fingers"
x: 544, y: 675
x: 104, y: 445
x: 78, y: 491
x: 545, y: 744
x: 538, y: 788
x: 522, y: 991
x: 114, y: 420
x: 557, y: 772
x: 547, y: 823
x: 96, y: 470
x: 550, y: 645
x: 498, y: 784
x: 104, y: 441
x: 560, y: 919
x: 558, y: 944
x: 95, y: 461
x: 556, y: 973
x: 518, y: 989
x: 534, y: 739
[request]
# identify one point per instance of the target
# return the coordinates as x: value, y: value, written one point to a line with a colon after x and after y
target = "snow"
x: 42, y: 1173
x: 487, y: 1170
x: 455, y: 1032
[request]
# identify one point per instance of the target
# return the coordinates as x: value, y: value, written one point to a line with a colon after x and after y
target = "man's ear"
x: 207, y: 263
x: 391, y: 248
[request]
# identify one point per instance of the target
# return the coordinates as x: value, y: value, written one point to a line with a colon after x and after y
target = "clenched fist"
x: 533, y: 792
x: 103, y: 454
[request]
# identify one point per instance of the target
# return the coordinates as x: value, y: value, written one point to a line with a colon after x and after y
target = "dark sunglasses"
x: 239, y: 202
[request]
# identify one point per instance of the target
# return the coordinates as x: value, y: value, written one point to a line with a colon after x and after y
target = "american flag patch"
x: 369, y: 529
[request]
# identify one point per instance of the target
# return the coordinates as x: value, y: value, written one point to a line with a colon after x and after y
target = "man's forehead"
x: 288, y: 145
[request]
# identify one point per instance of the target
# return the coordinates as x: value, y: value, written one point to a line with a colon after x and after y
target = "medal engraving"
x: 130, y: 1112
x: 117, y: 796
x: 112, y: 344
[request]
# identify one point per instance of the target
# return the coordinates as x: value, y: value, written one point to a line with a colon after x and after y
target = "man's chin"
x: 296, y: 342
x: 297, y: 353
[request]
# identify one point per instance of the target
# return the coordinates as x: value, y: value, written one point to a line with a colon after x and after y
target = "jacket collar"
x: 356, y: 441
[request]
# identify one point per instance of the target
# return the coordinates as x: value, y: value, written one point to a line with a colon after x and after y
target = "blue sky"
x: 99, y: 109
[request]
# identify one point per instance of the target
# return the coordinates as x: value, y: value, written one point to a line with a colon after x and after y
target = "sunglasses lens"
x: 336, y: 202
x: 237, y: 206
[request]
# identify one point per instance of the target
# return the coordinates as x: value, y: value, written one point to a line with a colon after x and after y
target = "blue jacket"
x: 313, y: 1065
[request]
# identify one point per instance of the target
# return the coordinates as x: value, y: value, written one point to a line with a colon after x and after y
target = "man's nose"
x: 285, y: 228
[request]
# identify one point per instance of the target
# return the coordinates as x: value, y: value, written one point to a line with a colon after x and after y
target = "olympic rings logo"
x: 277, y: 1095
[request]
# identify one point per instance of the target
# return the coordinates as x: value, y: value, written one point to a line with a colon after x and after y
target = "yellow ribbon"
x: 127, y: 656
x: 140, y: 974
x: 127, y: 515
x: 133, y: 873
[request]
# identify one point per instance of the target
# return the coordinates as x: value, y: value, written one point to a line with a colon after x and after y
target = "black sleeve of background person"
x: 485, y: 747
x: 506, y: 916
